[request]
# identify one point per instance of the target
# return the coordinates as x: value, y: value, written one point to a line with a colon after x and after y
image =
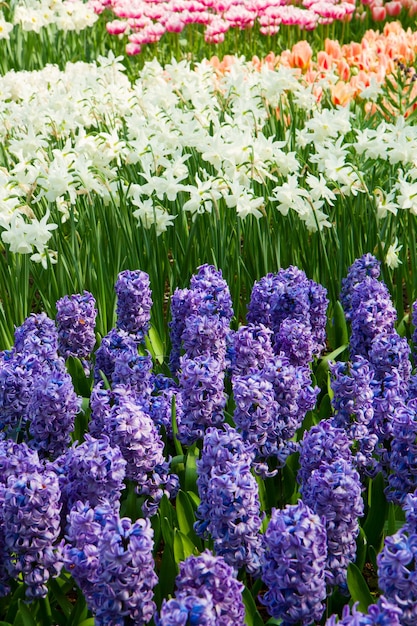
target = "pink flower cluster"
x: 146, y: 21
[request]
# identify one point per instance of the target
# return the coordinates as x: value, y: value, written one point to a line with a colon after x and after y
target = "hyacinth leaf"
x: 290, y: 487
x: 5, y: 624
x: 191, y: 468
x: 174, y: 426
x: 361, y: 549
x: 322, y: 371
x: 341, y: 334
x: 186, y: 518
x: 60, y: 597
x: 403, y: 326
x: 82, y: 384
x: 87, y: 622
x: 183, y: 546
x: 79, y: 611
x: 377, y: 511
x: 252, y: 616
x: 154, y: 345
x: 167, y: 574
x: 25, y: 614
x: 395, y: 519
x: 358, y: 588
x: 325, y: 409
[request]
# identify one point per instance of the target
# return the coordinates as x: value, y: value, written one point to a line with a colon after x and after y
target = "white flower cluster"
x: 189, y: 139
x: 66, y: 15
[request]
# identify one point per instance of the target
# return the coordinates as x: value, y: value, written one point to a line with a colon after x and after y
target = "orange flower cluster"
x: 356, y: 65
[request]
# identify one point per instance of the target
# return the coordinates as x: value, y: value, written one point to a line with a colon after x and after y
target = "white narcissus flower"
x: 392, y: 259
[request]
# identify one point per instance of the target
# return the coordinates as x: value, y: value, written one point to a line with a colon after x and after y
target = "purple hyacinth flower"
x: 334, y: 492
x: 16, y: 459
x: 366, y: 265
x: 75, y: 320
x: 229, y: 510
x: 293, y: 565
x: 209, y: 283
x: 114, y: 344
x: 31, y: 518
x: 201, y: 381
x: 125, y: 579
x: 205, y: 334
x: 397, y: 573
x: 18, y: 373
x: 252, y: 349
x: 259, y: 307
x: 51, y: 412
x: 134, y: 303
x: 295, y: 339
x: 187, y: 610
x: 208, y: 575
x: 403, y: 450
x: 352, y: 403
x: 383, y: 613
x: 322, y: 443
x: 91, y: 471
x: 80, y: 551
x: 372, y: 313
x: 37, y: 335
x: 133, y: 431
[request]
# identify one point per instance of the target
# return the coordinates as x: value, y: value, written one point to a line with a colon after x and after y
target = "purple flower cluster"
x: 293, y: 565
x: 372, y: 313
x: 51, y: 412
x: 116, y: 344
x: 397, y: 573
x: 91, y: 472
x: 125, y: 575
x: 186, y: 609
x: 295, y: 396
x: 290, y: 298
x: 201, y: 381
x: 383, y: 613
x: 322, y: 443
x: 37, y: 335
x: 16, y: 459
x: 131, y: 429
x: 31, y: 518
x: 334, y: 492
x: 80, y: 550
x: 251, y: 349
x: 75, y: 320
x: 403, y: 453
x: 229, y: 510
x: 134, y: 303
x: 366, y: 265
x: 200, y: 317
x: 210, y: 582
x: 352, y: 403
x: 111, y: 560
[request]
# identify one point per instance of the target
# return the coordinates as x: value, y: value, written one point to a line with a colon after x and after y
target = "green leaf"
x: 358, y: 588
x: 191, y: 468
x: 252, y: 617
x: 340, y: 326
x: 154, y: 345
x: 323, y: 367
x: 361, y: 546
x: 87, y: 622
x: 167, y: 574
x: 60, y: 597
x: 26, y: 614
x: 183, y: 546
x: 377, y: 511
x: 186, y: 518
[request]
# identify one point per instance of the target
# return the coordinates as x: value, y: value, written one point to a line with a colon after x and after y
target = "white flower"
x: 385, y: 203
x: 290, y: 195
x: 45, y: 257
x: 150, y: 215
x: 203, y: 195
x: 5, y: 27
x: 391, y: 258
